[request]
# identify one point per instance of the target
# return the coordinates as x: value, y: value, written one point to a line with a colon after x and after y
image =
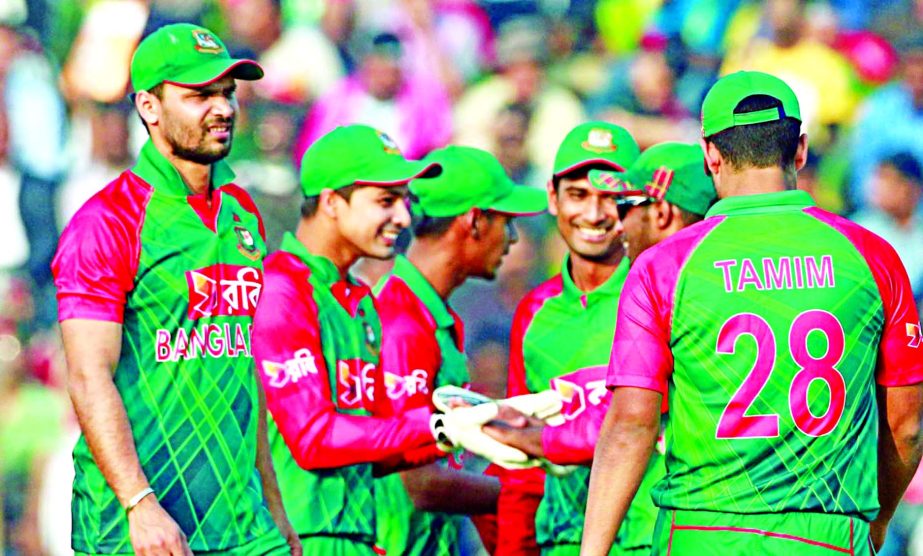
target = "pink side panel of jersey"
x: 641, y: 355
x: 97, y: 258
x: 900, y: 359
x: 409, y: 352
x: 317, y: 435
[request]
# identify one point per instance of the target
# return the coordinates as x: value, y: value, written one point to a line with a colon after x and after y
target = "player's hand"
x: 291, y: 537
x: 878, y: 530
x: 527, y: 438
x: 153, y: 532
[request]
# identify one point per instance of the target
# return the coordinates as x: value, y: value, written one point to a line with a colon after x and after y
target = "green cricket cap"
x: 472, y: 178
x: 361, y: 155
x: 674, y: 172
x: 596, y: 143
x: 187, y: 55
x: 724, y: 96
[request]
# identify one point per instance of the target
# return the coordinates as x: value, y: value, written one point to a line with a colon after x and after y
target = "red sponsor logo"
x: 355, y: 384
x: 223, y: 290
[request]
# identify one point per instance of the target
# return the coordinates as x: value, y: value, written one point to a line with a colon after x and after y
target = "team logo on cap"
x: 660, y: 183
x: 599, y: 141
x: 206, y: 42
x: 389, y: 145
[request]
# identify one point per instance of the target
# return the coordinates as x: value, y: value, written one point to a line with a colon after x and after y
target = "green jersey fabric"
x: 421, y: 350
x: 562, y: 338
x: 182, y: 273
x: 768, y: 326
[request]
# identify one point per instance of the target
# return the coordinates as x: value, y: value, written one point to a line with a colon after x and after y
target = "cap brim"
x: 206, y: 74
x: 589, y: 162
x: 401, y: 172
x: 522, y: 201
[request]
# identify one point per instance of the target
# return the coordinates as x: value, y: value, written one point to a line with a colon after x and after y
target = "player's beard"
x: 192, y: 142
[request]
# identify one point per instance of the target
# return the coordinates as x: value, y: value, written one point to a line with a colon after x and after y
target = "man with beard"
x: 158, y: 276
x: 561, y: 335
x: 317, y: 339
x: 463, y: 226
x: 665, y: 190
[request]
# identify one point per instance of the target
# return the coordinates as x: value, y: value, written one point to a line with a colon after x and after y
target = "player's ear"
x: 664, y: 214
x: 801, y: 155
x: 148, y: 106
x: 473, y: 222
x: 327, y: 202
x: 552, y: 198
x: 713, y: 159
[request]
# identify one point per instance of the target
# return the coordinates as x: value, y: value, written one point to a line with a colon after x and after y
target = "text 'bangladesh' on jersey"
x: 562, y: 338
x: 316, y: 341
x: 183, y: 278
x: 768, y: 326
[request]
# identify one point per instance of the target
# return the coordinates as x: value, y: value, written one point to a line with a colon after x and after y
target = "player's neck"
x: 321, y: 237
x: 197, y: 177
x: 588, y: 275
x: 753, y: 181
x: 440, y: 266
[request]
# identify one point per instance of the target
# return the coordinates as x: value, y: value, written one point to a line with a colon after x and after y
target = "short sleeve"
x: 97, y: 257
x: 641, y: 355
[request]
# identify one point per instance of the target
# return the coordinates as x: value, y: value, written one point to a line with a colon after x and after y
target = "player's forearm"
x: 265, y: 466
x: 104, y: 423
x: 334, y: 439
x: 899, y: 444
x: 622, y: 453
x: 434, y: 488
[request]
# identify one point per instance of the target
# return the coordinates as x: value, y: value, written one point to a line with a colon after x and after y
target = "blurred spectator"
x: 412, y: 109
x: 621, y: 23
x: 896, y: 187
x: 822, y: 78
x: 891, y: 120
x: 521, y: 58
x: 509, y: 144
x: 641, y: 97
x: 36, y: 121
x: 897, y: 19
x: 108, y: 156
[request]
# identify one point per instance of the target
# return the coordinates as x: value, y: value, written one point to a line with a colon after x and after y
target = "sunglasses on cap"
x: 626, y: 203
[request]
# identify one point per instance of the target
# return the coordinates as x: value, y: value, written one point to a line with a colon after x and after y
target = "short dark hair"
x: 431, y: 226
x: 761, y: 145
x: 310, y: 203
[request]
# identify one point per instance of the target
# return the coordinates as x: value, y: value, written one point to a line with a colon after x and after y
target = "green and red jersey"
x: 421, y: 350
x: 316, y: 341
x: 768, y: 326
x: 182, y: 273
x: 562, y: 339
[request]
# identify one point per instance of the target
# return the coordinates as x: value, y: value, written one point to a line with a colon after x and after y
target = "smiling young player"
x: 317, y: 338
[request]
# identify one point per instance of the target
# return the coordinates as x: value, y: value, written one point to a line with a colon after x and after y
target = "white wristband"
x: 136, y: 499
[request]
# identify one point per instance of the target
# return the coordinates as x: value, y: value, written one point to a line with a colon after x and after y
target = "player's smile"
x: 594, y: 234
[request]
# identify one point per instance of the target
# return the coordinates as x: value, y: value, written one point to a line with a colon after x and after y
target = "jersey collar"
x: 349, y: 292
x: 612, y: 286
x: 761, y: 203
x: 418, y: 284
x: 159, y: 173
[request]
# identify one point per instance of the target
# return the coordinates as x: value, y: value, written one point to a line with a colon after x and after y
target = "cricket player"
x: 158, y: 276
x: 463, y: 226
x: 556, y: 333
x: 787, y: 343
x: 668, y: 185
x: 317, y: 340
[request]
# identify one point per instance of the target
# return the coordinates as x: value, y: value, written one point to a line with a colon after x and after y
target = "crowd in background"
x: 509, y: 76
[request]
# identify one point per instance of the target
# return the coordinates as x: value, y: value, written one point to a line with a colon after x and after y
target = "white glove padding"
x: 461, y: 428
x: 545, y: 405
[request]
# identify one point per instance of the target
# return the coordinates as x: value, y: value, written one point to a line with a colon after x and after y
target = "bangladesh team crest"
x: 206, y: 42
x: 245, y: 243
x: 599, y: 140
x: 389, y: 145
